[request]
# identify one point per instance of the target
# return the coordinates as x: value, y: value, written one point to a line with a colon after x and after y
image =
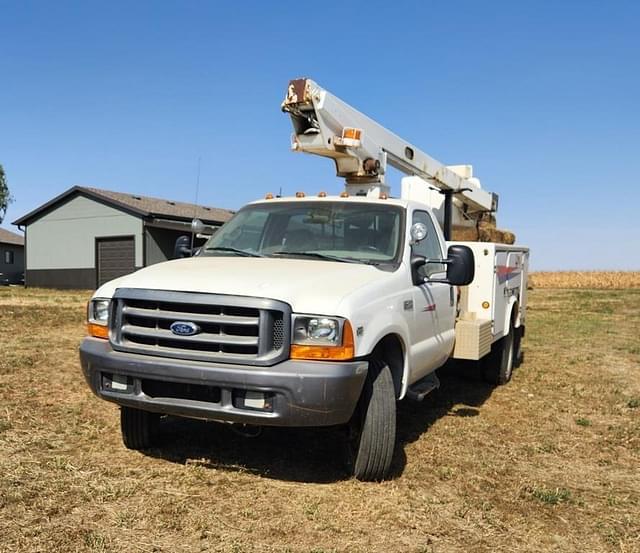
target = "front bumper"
x: 299, y: 393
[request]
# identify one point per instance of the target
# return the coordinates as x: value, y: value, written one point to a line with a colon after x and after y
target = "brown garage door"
x: 115, y: 257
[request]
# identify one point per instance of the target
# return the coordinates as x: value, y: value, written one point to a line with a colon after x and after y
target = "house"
x: 88, y: 236
x: 11, y: 257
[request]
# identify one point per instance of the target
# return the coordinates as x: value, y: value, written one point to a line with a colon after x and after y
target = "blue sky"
x: 541, y: 97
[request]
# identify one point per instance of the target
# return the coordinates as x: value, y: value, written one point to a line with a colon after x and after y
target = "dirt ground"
x: 549, y: 462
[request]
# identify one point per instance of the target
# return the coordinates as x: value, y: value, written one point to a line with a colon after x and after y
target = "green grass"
x: 551, y: 497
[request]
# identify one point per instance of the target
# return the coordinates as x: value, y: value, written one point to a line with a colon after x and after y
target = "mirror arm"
x: 437, y: 280
x: 441, y: 261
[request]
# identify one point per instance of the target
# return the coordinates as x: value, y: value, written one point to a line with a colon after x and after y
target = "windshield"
x: 335, y: 231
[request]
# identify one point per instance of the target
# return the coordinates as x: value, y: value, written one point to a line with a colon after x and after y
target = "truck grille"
x: 230, y: 329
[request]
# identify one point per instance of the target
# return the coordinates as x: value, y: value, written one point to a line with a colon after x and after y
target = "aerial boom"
x: 361, y: 149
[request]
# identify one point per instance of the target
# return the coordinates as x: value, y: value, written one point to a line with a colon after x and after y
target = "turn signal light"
x: 352, y: 133
x: 98, y: 331
x: 327, y: 353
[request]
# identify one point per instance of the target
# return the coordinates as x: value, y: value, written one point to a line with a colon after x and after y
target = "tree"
x: 5, y: 196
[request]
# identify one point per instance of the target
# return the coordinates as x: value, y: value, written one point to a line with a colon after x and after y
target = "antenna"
x: 195, y: 205
x: 197, y: 185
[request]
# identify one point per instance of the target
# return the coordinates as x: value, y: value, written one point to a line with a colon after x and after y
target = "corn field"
x: 585, y: 279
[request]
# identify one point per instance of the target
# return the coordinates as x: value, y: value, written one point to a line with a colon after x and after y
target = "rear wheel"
x: 139, y: 428
x: 372, y: 429
x: 518, y: 356
x: 498, y: 365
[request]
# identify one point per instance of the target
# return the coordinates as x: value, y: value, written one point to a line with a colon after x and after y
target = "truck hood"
x: 308, y: 286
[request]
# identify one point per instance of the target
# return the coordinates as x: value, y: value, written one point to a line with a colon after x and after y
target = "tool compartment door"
x: 508, y: 282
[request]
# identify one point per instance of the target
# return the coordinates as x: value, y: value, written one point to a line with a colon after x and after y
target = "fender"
x: 382, y: 324
x: 509, y: 311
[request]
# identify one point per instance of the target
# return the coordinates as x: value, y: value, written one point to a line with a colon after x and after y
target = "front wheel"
x: 139, y: 428
x: 372, y: 429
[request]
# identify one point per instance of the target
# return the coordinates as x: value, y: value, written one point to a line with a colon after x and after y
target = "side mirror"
x: 417, y: 261
x: 182, y: 247
x: 460, y: 265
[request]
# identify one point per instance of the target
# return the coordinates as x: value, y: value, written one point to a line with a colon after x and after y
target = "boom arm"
x: 361, y: 148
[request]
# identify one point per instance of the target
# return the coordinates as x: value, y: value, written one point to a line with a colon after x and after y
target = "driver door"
x: 432, y: 328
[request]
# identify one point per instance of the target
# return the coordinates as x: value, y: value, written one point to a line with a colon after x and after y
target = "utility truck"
x: 317, y: 310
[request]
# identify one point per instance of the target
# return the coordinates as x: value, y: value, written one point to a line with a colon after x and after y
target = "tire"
x: 139, y: 428
x: 499, y: 364
x: 372, y: 429
x: 518, y: 355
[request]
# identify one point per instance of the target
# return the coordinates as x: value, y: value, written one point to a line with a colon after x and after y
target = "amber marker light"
x: 268, y: 196
x: 344, y: 352
x: 351, y: 133
x: 322, y: 194
x: 485, y: 304
x: 98, y: 331
x: 300, y: 194
x: 344, y: 194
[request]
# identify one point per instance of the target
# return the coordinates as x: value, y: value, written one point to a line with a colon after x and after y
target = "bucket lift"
x: 326, y: 126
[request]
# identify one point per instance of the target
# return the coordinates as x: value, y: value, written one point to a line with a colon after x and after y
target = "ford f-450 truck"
x: 316, y: 310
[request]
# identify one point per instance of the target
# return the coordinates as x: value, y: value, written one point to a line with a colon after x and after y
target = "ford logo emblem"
x: 183, y: 328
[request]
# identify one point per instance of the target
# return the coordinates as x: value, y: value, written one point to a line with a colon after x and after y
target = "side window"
x: 430, y: 246
x: 8, y: 257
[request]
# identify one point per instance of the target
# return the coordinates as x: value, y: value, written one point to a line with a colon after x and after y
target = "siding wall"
x: 61, y: 244
x: 160, y: 244
x: 65, y: 237
x: 11, y: 273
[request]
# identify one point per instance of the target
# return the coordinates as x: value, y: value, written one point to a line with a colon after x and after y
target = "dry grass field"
x: 550, y: 462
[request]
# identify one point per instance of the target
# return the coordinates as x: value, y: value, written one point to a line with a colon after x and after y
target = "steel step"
x: 422, y: 387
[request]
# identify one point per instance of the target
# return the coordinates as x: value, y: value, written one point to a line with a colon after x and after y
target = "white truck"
x: 316, y: 310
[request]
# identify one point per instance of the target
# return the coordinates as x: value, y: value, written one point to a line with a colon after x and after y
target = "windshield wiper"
x: 321, y: 256
x: 234, y: 250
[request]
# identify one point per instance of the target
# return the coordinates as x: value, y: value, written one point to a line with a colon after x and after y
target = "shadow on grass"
x: 311, y: 454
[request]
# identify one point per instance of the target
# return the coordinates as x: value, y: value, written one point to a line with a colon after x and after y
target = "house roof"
x: 143, y: 206
x: 8, y: 237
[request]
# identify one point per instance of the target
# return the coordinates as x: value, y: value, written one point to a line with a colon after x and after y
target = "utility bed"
x: 495, y: 301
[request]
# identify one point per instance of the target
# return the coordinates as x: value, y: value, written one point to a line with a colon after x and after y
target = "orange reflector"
x: 350, y: 132
x: 322, y: 194
x: 299, y: 194
x: 344, y: 194
x: 98, y: 331
x: 341, y: 353
x: 383, y: 196
x: 485, y: 305
x: 268, y: 196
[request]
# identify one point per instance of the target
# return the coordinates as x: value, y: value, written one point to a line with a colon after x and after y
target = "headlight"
x: 98, y: 311
x: 321, y: 338
x: 98, y: 318
x: 316, y: 330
